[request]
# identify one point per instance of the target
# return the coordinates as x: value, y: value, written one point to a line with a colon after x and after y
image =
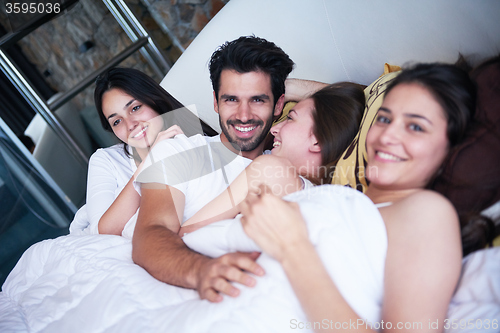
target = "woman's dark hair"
x: 451, y: 87
x: 478, y: 231
x: 338, y: 109
x: 136, y: 84
x: 456, y: 92
x: 144, y: 89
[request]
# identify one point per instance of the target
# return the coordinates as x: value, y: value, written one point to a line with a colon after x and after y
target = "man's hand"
x: 215, y: 275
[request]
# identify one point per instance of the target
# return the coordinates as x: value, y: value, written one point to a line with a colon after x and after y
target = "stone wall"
x: 183, y: 18
x: 75, y: 44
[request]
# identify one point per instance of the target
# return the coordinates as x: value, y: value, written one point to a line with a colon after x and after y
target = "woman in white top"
x: 306, y: 148
x: 424, y: 115
x: 138, y: 111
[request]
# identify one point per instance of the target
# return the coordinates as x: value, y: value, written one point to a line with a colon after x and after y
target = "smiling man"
x: 246, y: 109
x: 248, y: 77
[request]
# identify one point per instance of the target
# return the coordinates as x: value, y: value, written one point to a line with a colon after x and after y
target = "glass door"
x: 32, y: 206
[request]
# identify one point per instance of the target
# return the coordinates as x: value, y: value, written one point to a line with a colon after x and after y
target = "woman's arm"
x: 120, y: 211
x: 422, y: 268
x: 102, y: 186
x: 423, y: 260
x: 127, y: 202
x: 273, y: 171
x: 278, y: 228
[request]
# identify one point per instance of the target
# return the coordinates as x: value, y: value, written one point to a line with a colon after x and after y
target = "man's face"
x: 245, y: 108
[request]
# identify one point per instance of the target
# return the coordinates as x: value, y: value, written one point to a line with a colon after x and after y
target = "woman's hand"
x: 163, y: 135
x: 168, y: 134
x: 274, y: 224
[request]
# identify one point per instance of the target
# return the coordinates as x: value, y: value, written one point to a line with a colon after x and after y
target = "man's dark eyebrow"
x: 262, y: 96
x: 225, y: 96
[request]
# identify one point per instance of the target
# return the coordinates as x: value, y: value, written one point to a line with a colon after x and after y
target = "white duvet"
x: 88, y: 283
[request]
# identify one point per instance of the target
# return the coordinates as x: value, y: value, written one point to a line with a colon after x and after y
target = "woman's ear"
x: 314, y: 147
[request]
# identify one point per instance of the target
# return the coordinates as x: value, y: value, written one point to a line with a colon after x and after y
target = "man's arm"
x: 158, y: 249
x: 297, y: 90
x: 265, y: 169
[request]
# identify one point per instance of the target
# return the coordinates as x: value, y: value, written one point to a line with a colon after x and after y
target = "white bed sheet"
x: 88, y: 283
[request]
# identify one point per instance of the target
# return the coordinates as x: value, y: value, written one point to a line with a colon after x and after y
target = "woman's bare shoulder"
x: 431, y: 200
x: 427, y: 197
x: 272, y: 160
x: 426, y: 209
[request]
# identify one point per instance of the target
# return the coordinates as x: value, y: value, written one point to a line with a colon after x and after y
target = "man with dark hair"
x: 248, y: 76
x: 252, y: 58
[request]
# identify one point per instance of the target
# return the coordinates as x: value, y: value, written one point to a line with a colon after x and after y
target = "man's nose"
x: 244, y: 112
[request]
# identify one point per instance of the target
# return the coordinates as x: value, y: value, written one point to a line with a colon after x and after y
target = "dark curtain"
x: 14, y: 110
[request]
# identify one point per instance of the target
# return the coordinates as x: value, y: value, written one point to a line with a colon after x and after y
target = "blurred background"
x: 48, y: 123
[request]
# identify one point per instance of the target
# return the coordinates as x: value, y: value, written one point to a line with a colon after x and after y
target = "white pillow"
x: 477, y: 299
x: 219, y: 238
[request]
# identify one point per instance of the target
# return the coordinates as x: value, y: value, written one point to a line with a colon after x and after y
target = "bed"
x: 88, y: 283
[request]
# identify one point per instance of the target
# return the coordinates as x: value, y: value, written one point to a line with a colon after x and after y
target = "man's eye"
x: 135, y: 108
x: 116, y: 122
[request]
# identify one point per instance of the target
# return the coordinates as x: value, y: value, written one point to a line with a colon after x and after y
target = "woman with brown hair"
x: 307, y: 145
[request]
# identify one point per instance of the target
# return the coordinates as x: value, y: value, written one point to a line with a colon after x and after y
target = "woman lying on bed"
x: 138, y: 111
x: 307, y: 146
x: 424, y: 115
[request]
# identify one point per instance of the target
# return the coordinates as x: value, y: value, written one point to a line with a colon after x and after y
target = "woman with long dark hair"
x: 307, y: 146
x: 425, y: 113
x: 139, y: 112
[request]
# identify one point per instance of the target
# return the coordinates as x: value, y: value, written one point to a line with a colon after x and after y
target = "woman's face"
x: 408, y: 141
x: 294, y: 138
x: 133, y: 122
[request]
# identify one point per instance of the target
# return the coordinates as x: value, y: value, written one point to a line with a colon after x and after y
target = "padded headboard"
x: 337, y: 40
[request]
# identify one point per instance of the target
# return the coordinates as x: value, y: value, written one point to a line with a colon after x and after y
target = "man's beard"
x: 250, y: 143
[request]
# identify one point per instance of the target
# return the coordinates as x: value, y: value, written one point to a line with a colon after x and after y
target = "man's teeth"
x: 276, y: 144
x: 386, y: 156
x: 140, y: 133
x: 244, y: 129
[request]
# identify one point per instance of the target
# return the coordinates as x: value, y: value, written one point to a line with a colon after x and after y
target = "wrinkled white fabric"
x: 475, y: 307
x: 90, y: 284
x: 109, y: 171
x: 201, y: 167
